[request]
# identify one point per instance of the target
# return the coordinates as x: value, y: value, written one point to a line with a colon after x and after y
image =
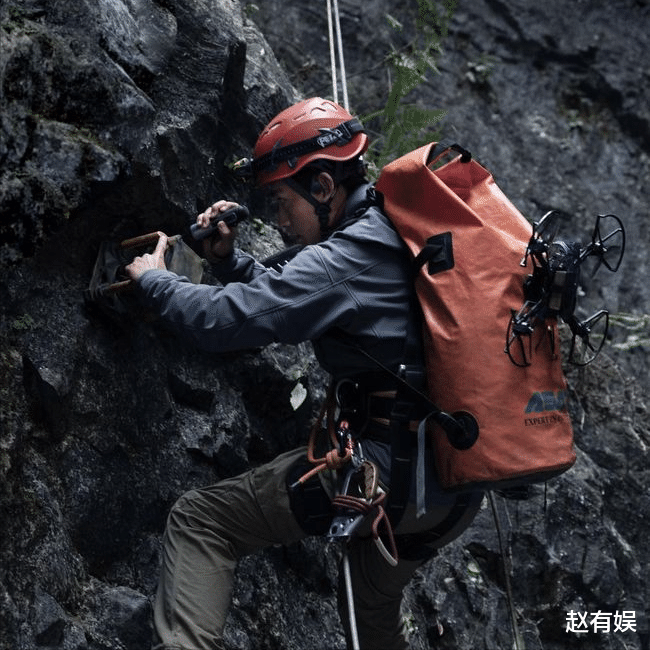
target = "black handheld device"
x: 231, y: 217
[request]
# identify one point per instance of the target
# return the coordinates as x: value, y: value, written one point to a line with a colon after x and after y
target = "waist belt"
x: 380, y: 405
x: 369, y: 410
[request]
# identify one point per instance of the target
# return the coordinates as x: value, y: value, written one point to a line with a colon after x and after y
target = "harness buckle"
x: 348, y: 397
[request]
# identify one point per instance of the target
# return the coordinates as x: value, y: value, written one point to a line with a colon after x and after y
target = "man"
x: 349, y: 291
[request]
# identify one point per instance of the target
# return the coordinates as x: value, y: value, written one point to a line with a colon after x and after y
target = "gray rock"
x: 119, y: 118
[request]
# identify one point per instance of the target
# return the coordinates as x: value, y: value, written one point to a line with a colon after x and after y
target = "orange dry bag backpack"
x: 468, y: 241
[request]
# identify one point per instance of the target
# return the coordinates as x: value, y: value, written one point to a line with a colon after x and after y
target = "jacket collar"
x: 360, y: 199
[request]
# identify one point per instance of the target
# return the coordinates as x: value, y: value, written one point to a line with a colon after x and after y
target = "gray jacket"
x: 357, y: 281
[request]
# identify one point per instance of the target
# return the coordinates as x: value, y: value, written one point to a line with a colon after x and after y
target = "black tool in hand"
x: 231, y: 217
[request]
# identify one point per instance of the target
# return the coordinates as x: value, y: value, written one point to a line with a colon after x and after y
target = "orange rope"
x: 364, y: 507
x: 333, y: 459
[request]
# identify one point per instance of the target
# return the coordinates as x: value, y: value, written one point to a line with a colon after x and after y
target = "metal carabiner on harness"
x: 348, y: 399
x: 360, y: 496
x: 345, y: 524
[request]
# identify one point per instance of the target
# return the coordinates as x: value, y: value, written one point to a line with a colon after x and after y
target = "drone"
x: 551, y: 291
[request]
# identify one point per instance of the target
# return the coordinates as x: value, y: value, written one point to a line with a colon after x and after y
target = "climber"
x: 349, y: 291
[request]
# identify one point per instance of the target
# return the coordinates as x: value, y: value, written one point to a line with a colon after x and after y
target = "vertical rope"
x: 335, y: 94
x: 334, y: 22
x: 335, y: 87
x: 518, y: 640
x: 339, y: 40
x: 354, y: 634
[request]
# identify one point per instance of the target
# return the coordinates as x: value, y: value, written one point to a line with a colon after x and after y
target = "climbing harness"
x: 360, y: 494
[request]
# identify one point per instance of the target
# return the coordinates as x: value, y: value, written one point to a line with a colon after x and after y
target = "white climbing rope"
x: 330, y: 29
x: 354, y: 634
x: 334, y: 24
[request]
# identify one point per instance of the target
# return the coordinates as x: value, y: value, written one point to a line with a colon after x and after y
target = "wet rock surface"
x: 118, y: 118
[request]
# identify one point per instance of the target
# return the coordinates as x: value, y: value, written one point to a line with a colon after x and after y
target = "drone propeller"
x: 608, y: 249
x: 588, y: 338
x: 519, y: 333
x: 521, y: 327
x: 544, y: 232
x: 548, y: 226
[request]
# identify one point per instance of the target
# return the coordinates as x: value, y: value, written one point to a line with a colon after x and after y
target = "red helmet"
x: 313, y: 129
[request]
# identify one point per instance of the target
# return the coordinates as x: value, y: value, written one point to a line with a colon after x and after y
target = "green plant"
x: 259, y: 226
x: 23, y: 323
x: 403, y: 124
x: 638, y: 328
x: 250, y: 9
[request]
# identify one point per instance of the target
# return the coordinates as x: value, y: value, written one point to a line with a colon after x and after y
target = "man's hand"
x: 149, y: 261
x: 215, y: 251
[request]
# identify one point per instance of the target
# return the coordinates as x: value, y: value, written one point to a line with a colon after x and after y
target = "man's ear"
x: 323, y: 187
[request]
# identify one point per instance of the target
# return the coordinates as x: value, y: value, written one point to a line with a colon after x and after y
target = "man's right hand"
x: 215, y: 251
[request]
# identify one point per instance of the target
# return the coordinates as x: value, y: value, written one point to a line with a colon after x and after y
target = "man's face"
x: 296, y: 217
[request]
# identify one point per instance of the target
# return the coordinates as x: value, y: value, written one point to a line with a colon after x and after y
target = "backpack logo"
x: 547, y: 402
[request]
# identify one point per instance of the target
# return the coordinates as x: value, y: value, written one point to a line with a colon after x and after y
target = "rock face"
x: 119, y: 118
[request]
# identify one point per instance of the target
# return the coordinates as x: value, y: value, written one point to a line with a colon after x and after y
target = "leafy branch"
x: 403, y: 124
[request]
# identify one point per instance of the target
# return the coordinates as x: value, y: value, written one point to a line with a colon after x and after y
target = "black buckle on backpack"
x: 438, y: 252
x: 413, y: 375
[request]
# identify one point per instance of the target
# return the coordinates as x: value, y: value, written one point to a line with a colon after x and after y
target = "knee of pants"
x: 309, y: 503
x: 189, y: 512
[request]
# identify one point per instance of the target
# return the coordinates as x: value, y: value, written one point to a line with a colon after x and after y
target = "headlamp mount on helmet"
x: 243, y: 169
x: 339, y: 136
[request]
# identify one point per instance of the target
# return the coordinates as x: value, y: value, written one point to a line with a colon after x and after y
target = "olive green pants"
x: 209, y: 529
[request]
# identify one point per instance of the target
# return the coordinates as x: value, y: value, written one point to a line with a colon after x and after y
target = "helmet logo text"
x: 332, y: 136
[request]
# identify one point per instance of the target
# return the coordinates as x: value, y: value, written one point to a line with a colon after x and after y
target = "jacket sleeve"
x: 238, y: 267
x: 323, y: 287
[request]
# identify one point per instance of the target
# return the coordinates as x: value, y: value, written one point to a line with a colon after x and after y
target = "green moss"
x: 23, y: 323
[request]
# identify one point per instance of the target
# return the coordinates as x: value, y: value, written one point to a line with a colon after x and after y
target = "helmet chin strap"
x: 321, y: 208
